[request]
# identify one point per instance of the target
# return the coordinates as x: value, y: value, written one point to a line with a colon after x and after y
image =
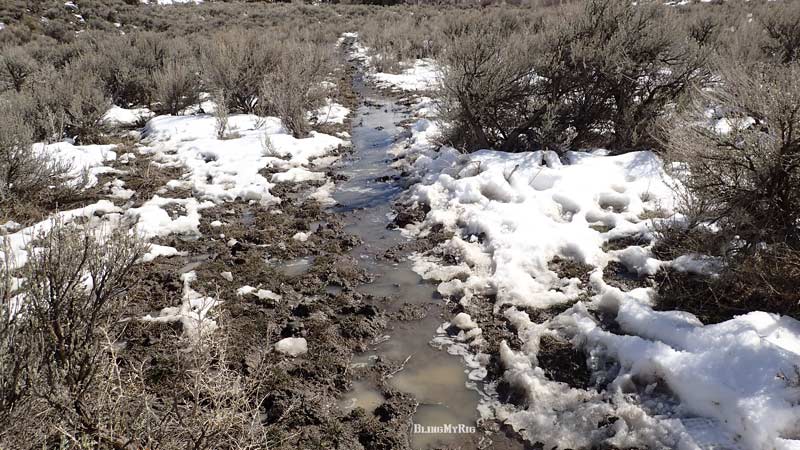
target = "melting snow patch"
x: 193, y: 312
x: 225, y: 170
x: 81, y: 159
x: 422, y: 75
x: 100, y: 215
x: 729, y: 385
x: 118, y: 116
x: 263, y: 294
x: 331, y: 112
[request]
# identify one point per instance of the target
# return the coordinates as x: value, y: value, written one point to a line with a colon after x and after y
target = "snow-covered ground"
x: 213, y: 171
x: 666, y: 379
x: 422, y: 75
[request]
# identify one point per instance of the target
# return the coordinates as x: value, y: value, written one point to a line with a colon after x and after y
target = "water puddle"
x: 296, y: 267
x: 362, y: 396
x: 435, y: 378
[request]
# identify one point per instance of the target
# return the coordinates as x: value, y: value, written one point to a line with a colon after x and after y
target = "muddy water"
x: 436, y: 379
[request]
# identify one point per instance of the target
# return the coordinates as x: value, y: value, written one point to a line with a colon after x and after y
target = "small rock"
x: 227, y: 275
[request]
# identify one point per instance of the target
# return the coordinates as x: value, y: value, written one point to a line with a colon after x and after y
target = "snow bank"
x: 504, y: 197
x: 740, y: 372
x: 118, y: 116
x: 667, y: 379
x: 102, y: 214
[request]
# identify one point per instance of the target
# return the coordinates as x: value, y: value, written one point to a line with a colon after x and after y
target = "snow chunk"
x: 292, y: 346
x: 300, y: 236
x: 297, y: 175
x: 463, y: 321
x: 263, y: 294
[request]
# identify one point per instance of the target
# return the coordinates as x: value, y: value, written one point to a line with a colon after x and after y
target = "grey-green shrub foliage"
x: 600, y: 74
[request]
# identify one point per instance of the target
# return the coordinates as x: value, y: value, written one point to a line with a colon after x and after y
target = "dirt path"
x: 371, y: 377
x: 403, y: 359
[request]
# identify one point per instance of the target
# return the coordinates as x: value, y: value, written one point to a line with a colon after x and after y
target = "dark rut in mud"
x: 433, y: 377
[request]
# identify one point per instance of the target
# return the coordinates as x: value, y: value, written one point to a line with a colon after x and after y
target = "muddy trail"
x: 370, y: 378
x: 402, y: 359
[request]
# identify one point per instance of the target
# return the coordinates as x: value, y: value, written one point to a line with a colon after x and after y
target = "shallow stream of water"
x: 435, y: 378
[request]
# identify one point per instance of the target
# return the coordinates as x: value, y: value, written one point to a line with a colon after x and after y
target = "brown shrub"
x: 603, y: 74
x: 782, y: 25
x: 750, y: 173
x: 176, y: 87
x: 15, y: 68
x: 295, y: 87
x: 24, y: 174
x: 55, y: 332
x: 741, y: 172
x: 235, y: 62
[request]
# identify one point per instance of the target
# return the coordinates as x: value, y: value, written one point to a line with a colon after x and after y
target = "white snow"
x: 160, y: 250
x: 297, y: 175
x: 324, y: 194
x: 422, y: 75
x: 118, y: 116
x: 672, y: 381
x: 194, y: 312
x: 225, y: 170
x: 153, y: 220
x: 463, y: 321
x: 292, y: 346
x: 504, y: 196
x: 301, y: 236
x: 263, y: 294
x: 331, y: 112
x: 170, y: 2
x: 100, y: 215
x: 88, y: 159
